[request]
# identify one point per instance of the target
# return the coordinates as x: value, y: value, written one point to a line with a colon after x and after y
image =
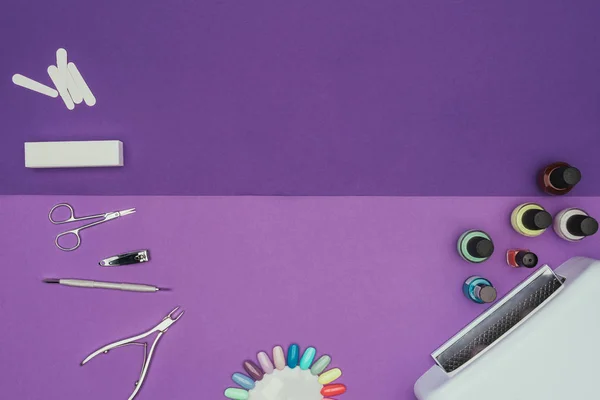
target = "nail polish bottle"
x: 475, y: 246
x: 517, y: 258
x: 479, y: 290
x: 530, y: 219
x: 559, y: 178
x: 574, y: 224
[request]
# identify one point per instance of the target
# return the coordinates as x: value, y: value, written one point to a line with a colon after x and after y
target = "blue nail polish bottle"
x: 479, y: 290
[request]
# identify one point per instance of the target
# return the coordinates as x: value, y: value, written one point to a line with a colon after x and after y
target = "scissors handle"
x: 67, y: 233
x: 71, y: 217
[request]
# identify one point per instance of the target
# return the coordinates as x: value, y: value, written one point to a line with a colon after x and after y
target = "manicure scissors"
x: 161, y: 328
x: 105, y: 217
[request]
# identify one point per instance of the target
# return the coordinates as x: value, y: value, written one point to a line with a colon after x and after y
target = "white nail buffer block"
x: 96, y: 153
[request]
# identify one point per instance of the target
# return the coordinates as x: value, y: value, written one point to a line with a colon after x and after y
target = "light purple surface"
x: 313, y: 97
x: 374, y: 282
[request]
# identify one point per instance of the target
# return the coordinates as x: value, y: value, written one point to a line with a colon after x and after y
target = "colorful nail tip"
x: 265, y: 363
x: 333, y: 390
x: 320, y: 365
x: 244, y: 381
x: 307, y: 358
x: 279, y: 357
x: 253, y: 370
x: 329, y: 376
x: 236, y: 394
x: 292, y: 357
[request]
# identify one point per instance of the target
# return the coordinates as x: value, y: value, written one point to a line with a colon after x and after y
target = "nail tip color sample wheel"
x: 297, y: 377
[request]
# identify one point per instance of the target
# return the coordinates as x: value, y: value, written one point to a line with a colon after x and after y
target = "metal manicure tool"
x: 84, y: 283
x: 161, y: 328
x: 132, y: 257
x: 72, y: 218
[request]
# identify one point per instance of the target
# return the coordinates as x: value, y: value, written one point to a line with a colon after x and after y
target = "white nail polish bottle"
x: 574, y: 224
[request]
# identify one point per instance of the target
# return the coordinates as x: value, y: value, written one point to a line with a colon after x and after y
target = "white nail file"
x: 61, y: 86
x: 82, y: 85
x: 73, y: 89
x: 61, y: 64
x: 93, y: 153
x: 30, y: 84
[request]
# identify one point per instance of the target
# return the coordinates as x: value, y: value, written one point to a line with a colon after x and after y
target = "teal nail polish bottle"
x: 475, y: 246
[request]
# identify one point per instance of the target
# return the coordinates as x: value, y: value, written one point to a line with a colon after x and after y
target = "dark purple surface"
x: 352, y: 97
x: 374, y: 282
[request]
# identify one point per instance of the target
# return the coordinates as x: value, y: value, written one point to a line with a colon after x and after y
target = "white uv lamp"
x: 539, y: 342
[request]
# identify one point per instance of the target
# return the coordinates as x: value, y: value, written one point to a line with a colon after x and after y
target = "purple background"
x: 374, y: 282
x: 388, y: 97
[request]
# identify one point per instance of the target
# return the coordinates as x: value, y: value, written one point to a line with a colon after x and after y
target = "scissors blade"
x: 126, y: 212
